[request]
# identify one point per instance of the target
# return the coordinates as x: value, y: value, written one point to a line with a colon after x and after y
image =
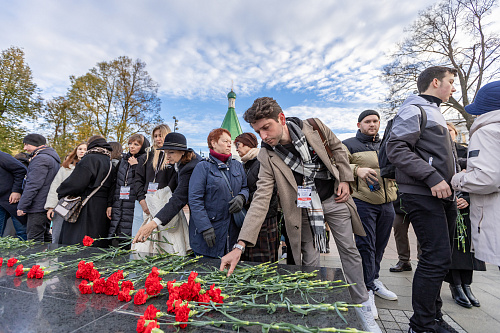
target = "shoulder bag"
x: 70, y: 207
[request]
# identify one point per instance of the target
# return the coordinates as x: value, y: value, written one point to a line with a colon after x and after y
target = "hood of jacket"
x: 485, y: 119
x: 47, y: 151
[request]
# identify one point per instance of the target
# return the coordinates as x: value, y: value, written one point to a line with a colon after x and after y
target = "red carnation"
x: 11, y: 262
x: 87, y: 241
x: 116, y: 276
x: 127, y: 285
x: 205, y: 298
x: 124, y: 295
x: 140, y: 297
x: 32, y: 272
x: 19, y: 270
x: 182, y: 315
x: 153, y: 286
x: 112, y: 287
x: 151, y: 312
x: 1, y: 261
x: 85, y: 288
x: 99, y: 286
x: 154, y: 272
x: 152, y: 325
x: 192, y: 276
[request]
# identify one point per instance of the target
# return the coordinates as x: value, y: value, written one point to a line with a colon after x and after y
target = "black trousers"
x: 39, y: 227
x: 434, y: 221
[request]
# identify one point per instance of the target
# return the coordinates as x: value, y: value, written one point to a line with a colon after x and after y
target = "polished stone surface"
x: 55, y: 304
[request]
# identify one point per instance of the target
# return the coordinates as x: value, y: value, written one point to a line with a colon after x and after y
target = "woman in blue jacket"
x: 212, y: 230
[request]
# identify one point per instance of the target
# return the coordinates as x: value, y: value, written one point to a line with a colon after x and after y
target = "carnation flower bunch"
x: 35, y: 272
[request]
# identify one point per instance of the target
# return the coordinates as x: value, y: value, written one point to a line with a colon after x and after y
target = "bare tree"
x: 452, y: 33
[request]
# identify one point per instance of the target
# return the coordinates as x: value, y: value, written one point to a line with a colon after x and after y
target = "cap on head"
x: 367, y: 113
x: 34, y: 139
x: 487, y: 99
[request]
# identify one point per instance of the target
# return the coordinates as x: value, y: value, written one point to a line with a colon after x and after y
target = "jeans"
x: 377, y: 221
x: 434, y: 221
x: 20, y: 228
x: 39, y: 227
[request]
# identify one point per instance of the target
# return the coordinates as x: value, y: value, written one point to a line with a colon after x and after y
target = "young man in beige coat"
x: 294, y: 157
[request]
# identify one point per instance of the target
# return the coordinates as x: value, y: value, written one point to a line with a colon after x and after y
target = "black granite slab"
x: 55, y: 304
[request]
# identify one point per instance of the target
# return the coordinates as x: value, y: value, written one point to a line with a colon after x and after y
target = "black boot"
x: 468, y: 292
x: 459, y: 296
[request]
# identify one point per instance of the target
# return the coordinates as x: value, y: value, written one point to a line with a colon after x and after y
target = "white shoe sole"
x: 389, y: 298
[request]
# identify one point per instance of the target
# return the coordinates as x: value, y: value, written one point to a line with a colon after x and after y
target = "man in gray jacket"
x: 425, y: 164
x: 41, y: 171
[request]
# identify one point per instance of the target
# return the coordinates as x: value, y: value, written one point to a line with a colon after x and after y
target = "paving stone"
x: 401, y: 319
x: 390, y: 325
x: 385, y: 317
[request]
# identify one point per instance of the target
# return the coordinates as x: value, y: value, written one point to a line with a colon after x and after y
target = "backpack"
x: 387, y: 169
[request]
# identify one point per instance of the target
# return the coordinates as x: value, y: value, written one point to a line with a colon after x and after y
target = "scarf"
x: 252, y: 153
x: 221, y: 157
x: 98, y: 150
x: 310, y: 170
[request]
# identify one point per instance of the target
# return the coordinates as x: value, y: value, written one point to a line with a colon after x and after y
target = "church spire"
x: 231, y: 122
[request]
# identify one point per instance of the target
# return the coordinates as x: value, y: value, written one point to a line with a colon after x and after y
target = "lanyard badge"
x: 304, y: 196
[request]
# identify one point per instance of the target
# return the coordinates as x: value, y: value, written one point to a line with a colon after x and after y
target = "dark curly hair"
x: 436, y: 72
x: 263, y: 107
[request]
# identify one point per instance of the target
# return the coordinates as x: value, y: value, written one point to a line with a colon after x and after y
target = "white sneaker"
x: 383, y: 292
x: 371, y: 299
x: 366, y: 317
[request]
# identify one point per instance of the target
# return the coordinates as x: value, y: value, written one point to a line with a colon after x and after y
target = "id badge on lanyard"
x: 124, y: 192
x: 304, y: 197
x: 152, y: 187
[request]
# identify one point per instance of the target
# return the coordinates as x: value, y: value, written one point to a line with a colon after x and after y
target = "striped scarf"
x: 310, y: 170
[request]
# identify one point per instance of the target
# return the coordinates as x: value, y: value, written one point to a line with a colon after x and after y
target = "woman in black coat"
x: 463, y: 262
x: 122, y: 211
x: 88, y: 175
x: 184, y: 160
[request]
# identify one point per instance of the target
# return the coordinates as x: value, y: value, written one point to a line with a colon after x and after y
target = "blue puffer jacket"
x: 209, y: 198
x: 42, y: 169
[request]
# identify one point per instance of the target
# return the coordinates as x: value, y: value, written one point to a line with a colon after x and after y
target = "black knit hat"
x: 248, y: 139
x: 175, y: 141
x: 367, y: 113
x: 36, y: 140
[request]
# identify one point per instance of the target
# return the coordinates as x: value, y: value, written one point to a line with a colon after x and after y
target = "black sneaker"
x: 444, y: 327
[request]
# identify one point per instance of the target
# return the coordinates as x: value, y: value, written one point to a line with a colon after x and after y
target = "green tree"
x: 453, y: 33
x: 19, y: 98
x: 60, y: 119
x: 116, y: 99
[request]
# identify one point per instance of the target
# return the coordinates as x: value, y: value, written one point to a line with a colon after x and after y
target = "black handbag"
x: 70, y: 207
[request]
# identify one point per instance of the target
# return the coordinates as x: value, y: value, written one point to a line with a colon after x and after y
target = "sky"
x: 316, y: 58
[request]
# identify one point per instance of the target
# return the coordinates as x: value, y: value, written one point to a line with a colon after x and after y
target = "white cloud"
x: 195, y: 48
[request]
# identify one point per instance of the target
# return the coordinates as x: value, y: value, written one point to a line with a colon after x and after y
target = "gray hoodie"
x: 421, y: 161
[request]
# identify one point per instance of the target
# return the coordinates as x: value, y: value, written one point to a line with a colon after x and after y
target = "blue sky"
x: 316, y: 58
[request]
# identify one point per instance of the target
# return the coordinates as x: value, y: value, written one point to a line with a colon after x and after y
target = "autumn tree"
x: 115, y: 99
x: 19, y: 98
x: 61, y: 121
x: 453, y: 33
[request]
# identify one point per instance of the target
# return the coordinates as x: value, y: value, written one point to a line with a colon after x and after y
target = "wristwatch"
x: 238, y: 246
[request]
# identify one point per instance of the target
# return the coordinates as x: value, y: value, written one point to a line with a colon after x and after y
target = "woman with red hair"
x: 217, y: 190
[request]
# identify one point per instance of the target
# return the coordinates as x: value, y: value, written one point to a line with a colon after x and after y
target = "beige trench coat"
x: 274, y: 170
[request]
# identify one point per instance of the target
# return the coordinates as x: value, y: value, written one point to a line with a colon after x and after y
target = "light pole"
x: 176, y: 121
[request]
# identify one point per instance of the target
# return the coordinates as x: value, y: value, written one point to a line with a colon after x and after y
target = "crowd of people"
x: 301, y: 172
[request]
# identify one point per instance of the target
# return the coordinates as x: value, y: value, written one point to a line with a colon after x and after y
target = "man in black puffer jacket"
x: 42, y: 169
x: 122, y: 211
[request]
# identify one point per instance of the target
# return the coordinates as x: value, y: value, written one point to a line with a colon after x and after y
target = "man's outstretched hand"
x: 230, y: 261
